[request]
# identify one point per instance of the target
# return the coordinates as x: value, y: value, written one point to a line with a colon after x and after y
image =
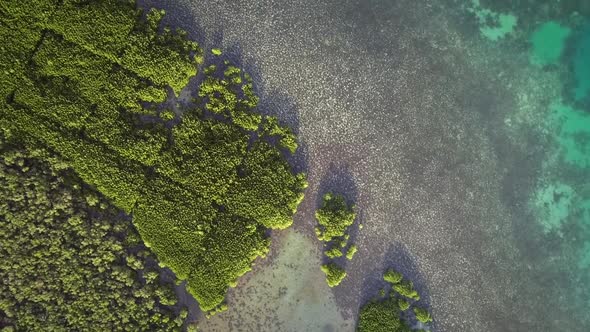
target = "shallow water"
x: 460, y: 128
x: 287, y: 294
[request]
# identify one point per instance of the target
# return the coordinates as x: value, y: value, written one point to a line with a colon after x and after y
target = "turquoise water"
x: 565, y: 199
x: 572, y: 134
x: 561, y: 199
x: 493, y: 25
x: 548, y: 42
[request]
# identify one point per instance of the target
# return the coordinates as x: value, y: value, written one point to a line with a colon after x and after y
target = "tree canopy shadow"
x: 339, y: 180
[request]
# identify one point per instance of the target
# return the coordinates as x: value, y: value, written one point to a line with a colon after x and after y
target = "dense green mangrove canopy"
x: 334, y: 217
x: 83, y: 79
x: 69, y: 260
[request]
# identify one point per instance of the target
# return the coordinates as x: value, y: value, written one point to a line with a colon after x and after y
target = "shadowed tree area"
x: 70, y: 260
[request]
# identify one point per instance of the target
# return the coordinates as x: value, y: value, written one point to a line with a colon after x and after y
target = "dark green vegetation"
x: 84, y: 80
x: 381, y: 316
x: 334, y: 218
x: 70, y: 262
x: 390, y: 312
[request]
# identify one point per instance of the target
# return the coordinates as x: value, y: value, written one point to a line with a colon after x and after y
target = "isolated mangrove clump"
x: 422, y: 315
x: 351, y: 252
x: 403, y: 304
x: 391, y: 311
x: 393, y: 276
x: 334, y: 219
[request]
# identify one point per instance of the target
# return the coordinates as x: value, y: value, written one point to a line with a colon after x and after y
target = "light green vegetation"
x: 167, y: 115
x: 216, y: 51
x: 70, y: 262
x: 334, y: 253
x: 334, y: 219
x: 502, y: 23
x: 304, y: 302
x: 82, y: 76
x: 386, y: 314
x: 403, y: 304
x: 334, y: 274
x: 392, y: 276
x: 422, y: 315
x: 548, y: 42
x: 351, y: 251
x: 406, y: 289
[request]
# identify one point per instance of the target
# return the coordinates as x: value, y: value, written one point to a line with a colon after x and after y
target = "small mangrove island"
x: 334, y: 218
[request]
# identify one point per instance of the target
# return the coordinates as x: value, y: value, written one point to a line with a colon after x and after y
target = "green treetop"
x: 392, y: 276
x: 381, y: 316
x: 422, y: 315
x: 334, y: 217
